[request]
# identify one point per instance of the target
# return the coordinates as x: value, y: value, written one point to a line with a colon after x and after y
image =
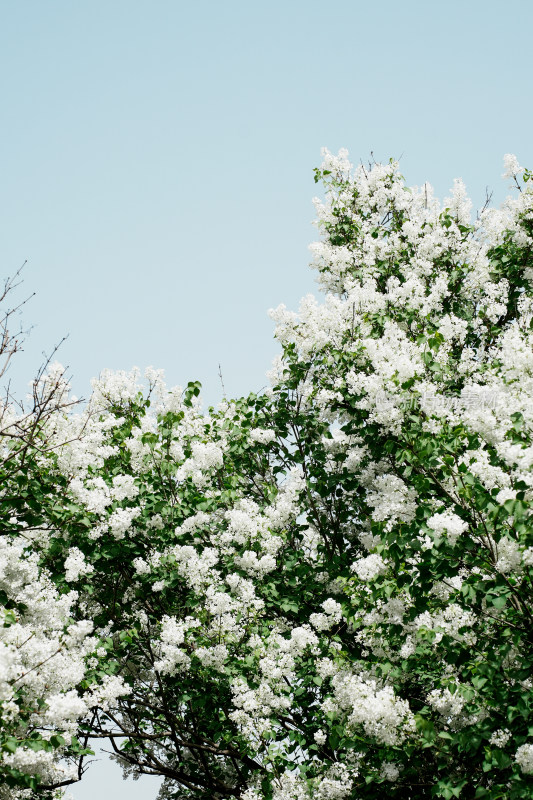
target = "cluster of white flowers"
x: 448, y: 704
x: 262, y: 435
x: 75, y: 565
x: 500, y: 737
x: 376, y: 709
x: 453, y: 621
x: 174, y: 658
x: 43, y: 660
x: 447, y: 523
x: 524, y: 758
x: 391, y: 500
x: 205, y: 457
x: 369, y: 567
x: 331, y: 616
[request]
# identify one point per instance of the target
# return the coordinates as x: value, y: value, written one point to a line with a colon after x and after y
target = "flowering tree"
x: 325, y: 591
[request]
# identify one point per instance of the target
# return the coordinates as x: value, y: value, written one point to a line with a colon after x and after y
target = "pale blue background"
x: 156, y: 164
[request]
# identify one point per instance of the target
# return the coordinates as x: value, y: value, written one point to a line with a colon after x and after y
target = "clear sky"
x: 157, y: 156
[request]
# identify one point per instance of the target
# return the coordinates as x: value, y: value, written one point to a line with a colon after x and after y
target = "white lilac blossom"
x: 447, y: 523
x: 524, y: 758
x: 75, y: 565
x: 500, y: 737
x: 369, y: 567
x: 511, y: 165
x: 390, y: 771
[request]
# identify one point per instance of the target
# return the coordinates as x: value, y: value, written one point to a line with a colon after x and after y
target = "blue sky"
x: 156, y: 168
